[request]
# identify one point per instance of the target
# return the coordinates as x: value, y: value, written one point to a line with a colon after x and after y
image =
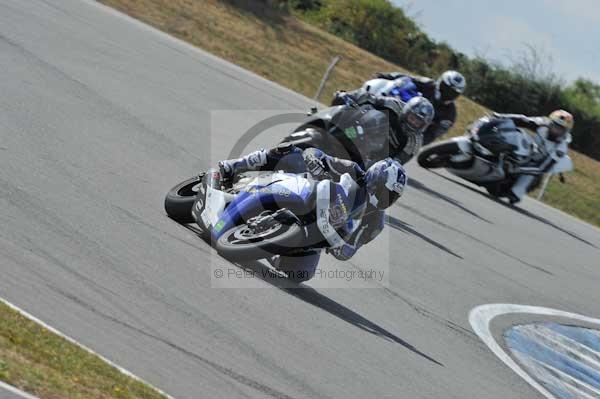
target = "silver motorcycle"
x: 495, y: 154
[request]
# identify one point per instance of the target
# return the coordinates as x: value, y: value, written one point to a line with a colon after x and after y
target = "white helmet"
x: 449, y: 86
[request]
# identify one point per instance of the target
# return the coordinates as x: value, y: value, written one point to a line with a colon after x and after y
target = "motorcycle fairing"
x: 214, y: 205
x: 323, y: 215
x: 403, y: 88
x: 339, y: 209
x: 564, y: 164
x: 352, y: 132
x: 480, y: 171
x: 271, y: 192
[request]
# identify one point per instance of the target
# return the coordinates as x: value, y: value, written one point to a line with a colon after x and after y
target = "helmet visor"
x: 557, y: 130
x: 415, y: 122
x: 448, y: 93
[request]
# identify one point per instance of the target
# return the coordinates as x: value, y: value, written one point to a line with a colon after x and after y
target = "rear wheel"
x: 259, y: 238
x: 438, y: 155
x: 181, y: 198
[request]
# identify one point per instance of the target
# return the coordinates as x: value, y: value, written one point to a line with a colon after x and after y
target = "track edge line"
x: 82, y: 346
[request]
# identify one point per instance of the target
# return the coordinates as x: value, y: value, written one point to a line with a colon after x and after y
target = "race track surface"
x: 100, y: 116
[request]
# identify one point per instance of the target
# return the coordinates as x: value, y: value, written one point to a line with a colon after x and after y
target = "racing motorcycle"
x: 351, y: 131
x: 402, y: 88
x: 493, y: 154
x: 285, y: 218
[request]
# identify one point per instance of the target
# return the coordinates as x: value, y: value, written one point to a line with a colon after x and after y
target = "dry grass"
x: 41, y: 363
x: 295, y: 54
x: 580, y: 196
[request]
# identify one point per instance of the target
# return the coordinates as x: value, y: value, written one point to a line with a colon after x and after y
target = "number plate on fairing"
x: 323, y: 208
x: 215, y: 204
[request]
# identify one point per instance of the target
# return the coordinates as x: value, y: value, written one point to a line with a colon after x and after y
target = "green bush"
x: 385, y: 30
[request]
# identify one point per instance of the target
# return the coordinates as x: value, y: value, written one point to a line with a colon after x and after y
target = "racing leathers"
x: 358, y: 225
x: 445, y: 112
x: 547, y: 152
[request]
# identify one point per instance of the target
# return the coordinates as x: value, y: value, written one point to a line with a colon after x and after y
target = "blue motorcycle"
x: 285, y: 218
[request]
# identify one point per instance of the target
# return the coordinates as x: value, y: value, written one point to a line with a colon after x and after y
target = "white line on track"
x: 481, y: 317
x: 73, y: 341
x: 15, y: 391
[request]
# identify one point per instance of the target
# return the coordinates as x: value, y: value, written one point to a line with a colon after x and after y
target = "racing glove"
x: 315, y: 161
x: 343, y: 253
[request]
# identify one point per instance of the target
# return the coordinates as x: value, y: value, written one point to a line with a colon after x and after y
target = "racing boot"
x: 520, y: 188
x: 231, y: 167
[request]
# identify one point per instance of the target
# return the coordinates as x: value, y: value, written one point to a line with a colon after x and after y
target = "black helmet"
x: 449, y: 86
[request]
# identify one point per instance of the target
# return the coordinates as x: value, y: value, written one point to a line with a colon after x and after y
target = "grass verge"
x: 39, y: 362
x: 284, y: 49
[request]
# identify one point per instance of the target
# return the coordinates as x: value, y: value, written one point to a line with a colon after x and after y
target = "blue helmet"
x: 385, y: 181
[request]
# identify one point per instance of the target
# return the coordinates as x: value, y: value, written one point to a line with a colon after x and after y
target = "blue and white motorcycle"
x: 402, y: 88
x: 285, y: 218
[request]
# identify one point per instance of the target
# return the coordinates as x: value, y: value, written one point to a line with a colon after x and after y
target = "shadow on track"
x: 435, y: 194
x: 315, y: 298
x: 473, y: 238
x: 519, y: 210
x: 407, y: 228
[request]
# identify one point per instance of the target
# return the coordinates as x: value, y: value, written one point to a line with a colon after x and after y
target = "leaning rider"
x: 374, y: 190
x: 553, y: 135
x: 407, y: 122
x: 442, y: 93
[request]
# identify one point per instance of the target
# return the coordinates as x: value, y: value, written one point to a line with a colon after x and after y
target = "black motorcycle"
x: 356, y: 132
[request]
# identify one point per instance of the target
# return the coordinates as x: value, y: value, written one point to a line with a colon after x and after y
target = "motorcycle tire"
x: 180, y: 200
x: 286, y: 239
x: 299, y: 267
x: 437, y: 155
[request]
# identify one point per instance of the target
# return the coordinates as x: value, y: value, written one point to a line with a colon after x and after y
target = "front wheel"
x: 247, y: 242
x: 181, y: 198
x: 438, y: 155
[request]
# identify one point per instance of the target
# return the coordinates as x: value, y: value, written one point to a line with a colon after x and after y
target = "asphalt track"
x: 100, y: 115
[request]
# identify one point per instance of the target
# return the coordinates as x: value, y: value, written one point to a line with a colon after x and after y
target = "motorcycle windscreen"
x: 362, y: 134
x: 564, y: 164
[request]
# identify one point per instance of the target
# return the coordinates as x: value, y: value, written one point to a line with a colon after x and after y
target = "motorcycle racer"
x: 442, y: 93
x: 407, y: 121
x: 372, y: 191
x: 553, y: 135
